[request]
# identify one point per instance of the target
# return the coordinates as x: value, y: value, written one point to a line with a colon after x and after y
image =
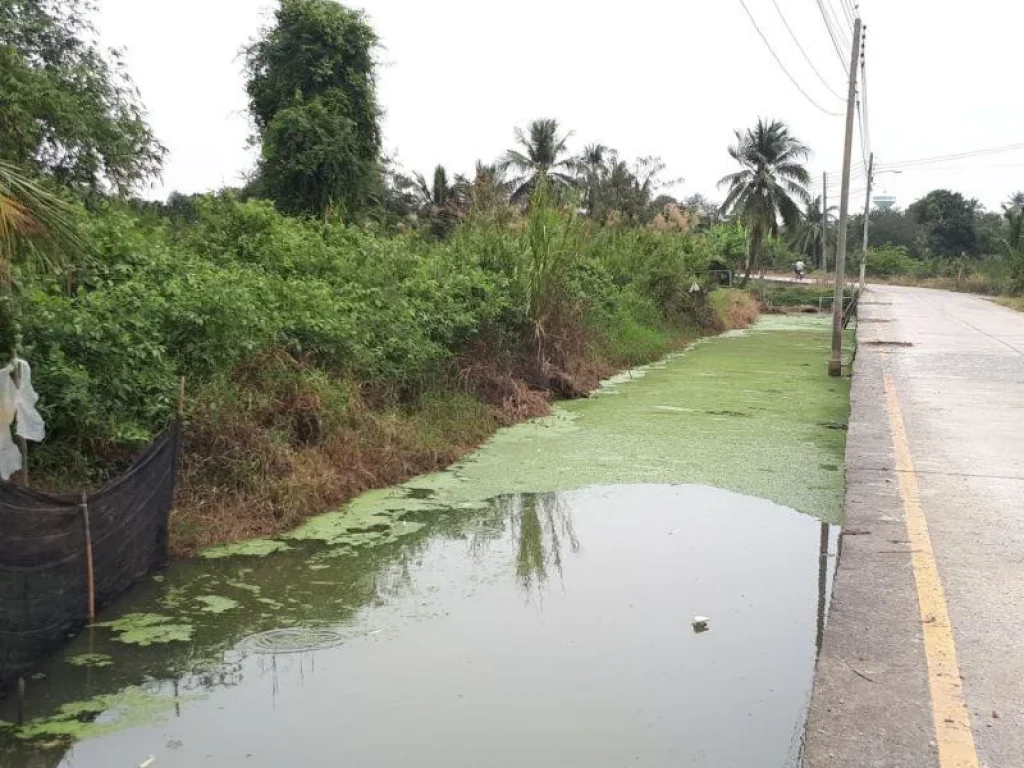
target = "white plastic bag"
x: 18, y: 406
x: 29, y: 424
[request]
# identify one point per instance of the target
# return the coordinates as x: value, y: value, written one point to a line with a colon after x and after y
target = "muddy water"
x: 461, y: 621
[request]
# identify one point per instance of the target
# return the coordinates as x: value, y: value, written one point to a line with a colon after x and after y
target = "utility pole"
x: 824, y: 225
x: 867, y: 220
x: 835, y: 361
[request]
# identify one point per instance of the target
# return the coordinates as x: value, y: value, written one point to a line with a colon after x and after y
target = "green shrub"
x: 209, y: 295
x: 891, y: 260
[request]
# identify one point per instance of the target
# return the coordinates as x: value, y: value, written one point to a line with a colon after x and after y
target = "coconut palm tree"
x: 441, y: 202
x: 770, y: 187
x: 33, y: 222
x: 592, y: 167
x: 808, y: 237
x: 437, y: 193
x: 542, y: 152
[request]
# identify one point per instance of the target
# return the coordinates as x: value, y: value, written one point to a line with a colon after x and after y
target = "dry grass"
x: 1013, y: 302
x: 733, y: 309
x: 979, y: 284
x: 241, y: 479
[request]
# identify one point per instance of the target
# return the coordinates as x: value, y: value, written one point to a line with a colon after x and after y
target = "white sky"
x: 665, y: 77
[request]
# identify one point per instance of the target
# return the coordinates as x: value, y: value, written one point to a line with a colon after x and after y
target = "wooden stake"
x: 88, y: 558
x: 181, y: 398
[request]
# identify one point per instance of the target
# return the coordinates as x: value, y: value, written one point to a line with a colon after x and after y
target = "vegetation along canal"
x: 531, y: 606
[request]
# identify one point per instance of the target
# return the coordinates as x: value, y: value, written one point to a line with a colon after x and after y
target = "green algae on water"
x: 80, y: 720
x: 253, y: 588
x: 373, y: 519
x: 252, y: 548
x: 740, y: 411
x: 146, y: 629
x: 216, y: 603
x: 94, y: 660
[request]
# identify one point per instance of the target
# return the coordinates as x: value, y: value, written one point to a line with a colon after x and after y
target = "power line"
x: 843, y: 29
x: 956, y: 156
x: 851, y: 12
x: 804, y: 52
x: 783, y: 66
x: 843, y: 19
x: 958, y: 168
x: 832, y: 33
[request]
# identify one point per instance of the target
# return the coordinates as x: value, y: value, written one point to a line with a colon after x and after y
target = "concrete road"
x: 922, y: 664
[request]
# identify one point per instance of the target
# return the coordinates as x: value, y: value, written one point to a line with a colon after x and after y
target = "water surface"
x: 549, y: 630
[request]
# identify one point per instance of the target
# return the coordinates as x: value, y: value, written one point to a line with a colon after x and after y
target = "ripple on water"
x: 291, y: 640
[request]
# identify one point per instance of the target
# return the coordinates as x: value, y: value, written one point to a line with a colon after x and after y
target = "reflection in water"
x: 544, y: 523
x: 441, y: 664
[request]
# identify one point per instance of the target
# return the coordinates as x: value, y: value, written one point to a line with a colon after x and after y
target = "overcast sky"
x: 667, y: 77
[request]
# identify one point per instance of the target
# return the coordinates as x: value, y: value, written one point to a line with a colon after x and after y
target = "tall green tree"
x: 812, y: 232
x: 541, y: 153
x: 67, y: 107
x: 1013, y: 244
x: 770, y: 187
x: 950, y: 223
x: 592, y: 168
x: 613, y: 187
x: 312, y: 94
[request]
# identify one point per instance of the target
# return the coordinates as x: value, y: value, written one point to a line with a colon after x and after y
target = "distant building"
x: 884, y: 202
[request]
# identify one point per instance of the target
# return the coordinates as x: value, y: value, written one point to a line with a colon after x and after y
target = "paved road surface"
x: 923, y: 659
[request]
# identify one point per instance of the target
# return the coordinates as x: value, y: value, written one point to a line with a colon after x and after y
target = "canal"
x: 533, y: 605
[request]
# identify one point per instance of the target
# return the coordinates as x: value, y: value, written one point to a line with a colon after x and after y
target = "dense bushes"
x: 295, y: 333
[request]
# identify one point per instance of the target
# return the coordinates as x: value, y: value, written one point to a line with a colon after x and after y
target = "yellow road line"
x: 949, y: 710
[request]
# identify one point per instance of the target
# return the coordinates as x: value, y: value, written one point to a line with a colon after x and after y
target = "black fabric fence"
x: 45, y: 591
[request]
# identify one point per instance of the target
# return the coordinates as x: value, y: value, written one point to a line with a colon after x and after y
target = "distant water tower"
x: 884, y: 202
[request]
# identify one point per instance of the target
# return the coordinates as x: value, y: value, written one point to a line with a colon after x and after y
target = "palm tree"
x: 436, y: 194
x: 488, y: 191
x: 442, y: 203
x: 542, y: 154
x: 33, y: 221
x: 807, y: 239
x: 592, y: 166
x: 770, y: 187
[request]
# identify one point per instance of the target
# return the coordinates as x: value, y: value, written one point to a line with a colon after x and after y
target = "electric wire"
x: 832, y: 34
x: 844, y: 30
x: 851, y: 11
x: 842, y: 15
x: 803, y: 51
x: 783, y: 66
x: 901, y: 164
